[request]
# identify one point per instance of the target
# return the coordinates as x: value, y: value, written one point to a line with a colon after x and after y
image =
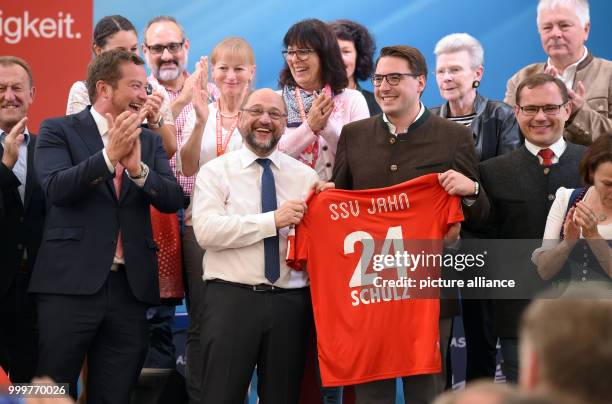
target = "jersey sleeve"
x: 455, y: 214
x: 297, y: 248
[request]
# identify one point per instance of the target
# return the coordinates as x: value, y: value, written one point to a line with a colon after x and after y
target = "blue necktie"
x: 268, y: 203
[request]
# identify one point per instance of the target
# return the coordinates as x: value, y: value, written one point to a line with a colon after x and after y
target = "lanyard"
x: 311, y: 153
x: 222, y: 145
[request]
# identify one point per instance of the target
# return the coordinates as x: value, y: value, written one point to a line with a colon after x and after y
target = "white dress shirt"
x: 558, y: 148
x: 393, y: 130
x: 227, y: 218
x: 568, y: 75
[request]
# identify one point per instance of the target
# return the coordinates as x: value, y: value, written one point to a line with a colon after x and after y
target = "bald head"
x: 263, y: 121
x: 266, y: 93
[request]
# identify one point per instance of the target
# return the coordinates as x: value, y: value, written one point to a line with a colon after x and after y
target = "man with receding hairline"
x: 23, y: 204
x: 256, y: 310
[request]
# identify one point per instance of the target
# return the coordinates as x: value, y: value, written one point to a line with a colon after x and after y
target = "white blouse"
x: 208, y: 148
x: 554, y: 223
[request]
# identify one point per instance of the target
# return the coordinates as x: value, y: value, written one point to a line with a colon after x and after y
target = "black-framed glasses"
x: 173, y: 47
x: 548, y: 109
x: 392, y: 78
x: 256, y: 112
x: 301, y: 54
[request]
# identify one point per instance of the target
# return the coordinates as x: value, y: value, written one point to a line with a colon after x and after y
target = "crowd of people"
x: 198, y: 185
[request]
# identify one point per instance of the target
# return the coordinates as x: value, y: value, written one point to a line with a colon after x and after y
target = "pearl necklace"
x: 229, y: 116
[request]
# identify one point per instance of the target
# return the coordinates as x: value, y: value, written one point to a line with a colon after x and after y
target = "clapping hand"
x: 320, y: 111
x: 12, y: 141
x: 123, y: 133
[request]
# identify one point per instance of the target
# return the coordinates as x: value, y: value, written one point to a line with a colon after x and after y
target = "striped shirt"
x: 465, y: 120
x: 187, y: 183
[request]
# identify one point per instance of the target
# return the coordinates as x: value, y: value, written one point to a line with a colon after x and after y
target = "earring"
x: 476, y: 84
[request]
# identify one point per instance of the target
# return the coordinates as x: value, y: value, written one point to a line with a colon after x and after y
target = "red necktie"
x: 547, y: 156
x: 117, y: 181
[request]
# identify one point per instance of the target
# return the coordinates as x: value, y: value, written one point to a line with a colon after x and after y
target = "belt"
x: 262, y: 287
x: 117, y: 268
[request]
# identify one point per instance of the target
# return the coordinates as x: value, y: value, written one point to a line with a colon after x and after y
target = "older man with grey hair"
x: 564, y: 27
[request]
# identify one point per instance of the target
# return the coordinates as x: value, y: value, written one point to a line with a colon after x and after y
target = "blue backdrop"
x: 506, y: 29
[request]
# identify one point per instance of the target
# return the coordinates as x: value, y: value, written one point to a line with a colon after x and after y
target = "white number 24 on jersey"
x: 360, y: 276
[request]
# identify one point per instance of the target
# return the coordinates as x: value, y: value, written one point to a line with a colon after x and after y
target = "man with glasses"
x: 256, y: 310
x: 403, y: 143
x: 521, y: 186
x: 166, y: 50
x: 564, y: 27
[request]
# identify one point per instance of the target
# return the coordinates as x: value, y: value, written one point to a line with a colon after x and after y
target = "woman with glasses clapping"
x: 314, y: 86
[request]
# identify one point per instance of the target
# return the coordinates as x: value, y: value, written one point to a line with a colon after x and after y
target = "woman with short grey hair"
x: 459, y: 70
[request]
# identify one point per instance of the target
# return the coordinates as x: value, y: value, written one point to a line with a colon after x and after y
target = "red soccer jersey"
x: 367, y: 330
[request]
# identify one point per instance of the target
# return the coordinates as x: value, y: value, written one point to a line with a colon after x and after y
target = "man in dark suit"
x: 21, y: 227
x: 403, y: 143
x: 521, y: 186
x: 97, y: 267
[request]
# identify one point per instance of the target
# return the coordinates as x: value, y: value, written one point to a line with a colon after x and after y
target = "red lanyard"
x: 222, y: 145
x: 313, y: 148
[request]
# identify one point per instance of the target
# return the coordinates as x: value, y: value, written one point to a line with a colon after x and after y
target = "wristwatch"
x: 144, y: 171
x: 476, y: 188
x: 157, y: 124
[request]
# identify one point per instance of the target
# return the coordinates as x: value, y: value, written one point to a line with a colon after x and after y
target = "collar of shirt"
x: 247, y: 157
x: 392, y: 127
x: 101, y: 122
x: 558, y: 148
x: 570, y: 71
x: 26, y: 135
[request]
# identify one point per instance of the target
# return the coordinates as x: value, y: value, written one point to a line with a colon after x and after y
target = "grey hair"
x: 461, y: 42
x: 581, y: 7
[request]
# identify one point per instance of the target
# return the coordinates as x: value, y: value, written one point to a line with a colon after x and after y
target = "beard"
x: 170, y: 73
x: 261, y: 148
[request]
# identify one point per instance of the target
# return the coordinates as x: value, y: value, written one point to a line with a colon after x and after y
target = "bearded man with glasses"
x: 407, y: 141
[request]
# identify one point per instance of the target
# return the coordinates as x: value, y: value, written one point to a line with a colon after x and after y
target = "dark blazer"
x: 494, y: 127
x: 85, y: 215
x: 521, y: 195
x: 22, y: 224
